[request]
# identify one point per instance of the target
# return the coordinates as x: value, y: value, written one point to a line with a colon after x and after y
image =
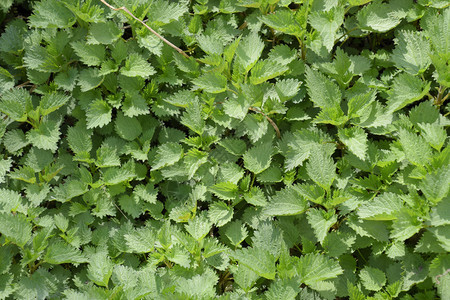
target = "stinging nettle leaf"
x: 321, y: 169
x: 211, y: 82
x: 51, y: 102
x: 355, y: 138
x: 412, y: 52
x: 327, y: 23
x: 167, y: 155
x: 416, y: 149
x: 406, y: 89
x: 379, y: 17
x: 15, y: 228
x: 91, y: 55
x: 322, y: 91
x: 314, y: 267
x: 321, y: 221
x: 249, y: 51
x: 51, y: 14
x: 262, y: 262
x: 127, y: 128
x: 98, y: 114
x: 286, y: 202
x: 372, y: 278
x: 258, y: 158
x: 136, y: 65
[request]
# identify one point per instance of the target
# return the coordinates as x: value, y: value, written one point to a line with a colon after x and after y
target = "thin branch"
x: 22, y: 84
x: 146, y: 26
x: 268, y: 119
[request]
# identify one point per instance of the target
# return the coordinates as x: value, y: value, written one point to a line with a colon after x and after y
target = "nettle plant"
x: 272, y: 149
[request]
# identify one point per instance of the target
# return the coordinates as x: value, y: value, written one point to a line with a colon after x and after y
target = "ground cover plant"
x: 256, y: 149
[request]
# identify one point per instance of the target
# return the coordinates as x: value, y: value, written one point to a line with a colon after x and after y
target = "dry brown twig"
x: 183, y: 53
x: 268, y: 119
x: 146, y: 26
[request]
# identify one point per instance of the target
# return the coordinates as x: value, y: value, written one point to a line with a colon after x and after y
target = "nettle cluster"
x: 290, y: 150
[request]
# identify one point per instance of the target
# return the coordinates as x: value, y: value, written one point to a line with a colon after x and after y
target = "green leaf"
x: 258, y: 260
x: 297, y: 147
x: 283, y: 20
x: 15, y: 228
x: 382, y: 207
x: 211, y: 82
x: 435, y: 24
x: 104, y: 33
x: 79, y: 139
x: 134, y: 105
x: 107, y: 157
x: 327, y: 23
x: 321, y: 169
x: 249, y: 51
x: 136, y: 65
x: 141, y: 240
x: 220, y: 213
x: 234, y: 146
x: 322, y: 91
x: 406, y: 89
x: 211, y: 44
x: 59, y: 252
x: 164, y: 12
x: 199, y: 286
x: 118, y: 175
x: 287, y: 88
x: 179, y: 255
x: 379, y: 17
x: 286, y: 202
x: 358, y: 103
x: 51, y: 14
x: 374, y: 229
x: 46, y: 136
x: 236, y: 106
x: 283, y: 289
x: 100, y: 268
x: 407, y: 224
x: 225, y: 190
x: 89, y: 79
x: 314, y: 267
x: 265, y: 70
x: 98, y: 114
x: 321, y: 221
x: 167, y: 154
x: 255, y: 197
x: 258, y: 158
x: 6, y: 80
x: 146, y: 192
x: 412, y: 52
x: 5, y: 166
x: 67, y: 80
x: 198, y: 227
x: 436, y: 185
x: 355, y: 138
x: 127, y: 128
x: 416, y: 149
x: 373, y: 279
x: 51, y: 102
x: 24, y: 173
x: 434, y: 134
x: 193, y: 118
x: 16, y: 103
x: 236, y: 232
x: 91, y: 55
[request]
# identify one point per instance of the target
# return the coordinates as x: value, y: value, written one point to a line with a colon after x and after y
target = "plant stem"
x: 146, y: 26
x: 268, y: 119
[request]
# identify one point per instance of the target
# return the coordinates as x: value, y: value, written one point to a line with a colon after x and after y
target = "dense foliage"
x: 294, y: 150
